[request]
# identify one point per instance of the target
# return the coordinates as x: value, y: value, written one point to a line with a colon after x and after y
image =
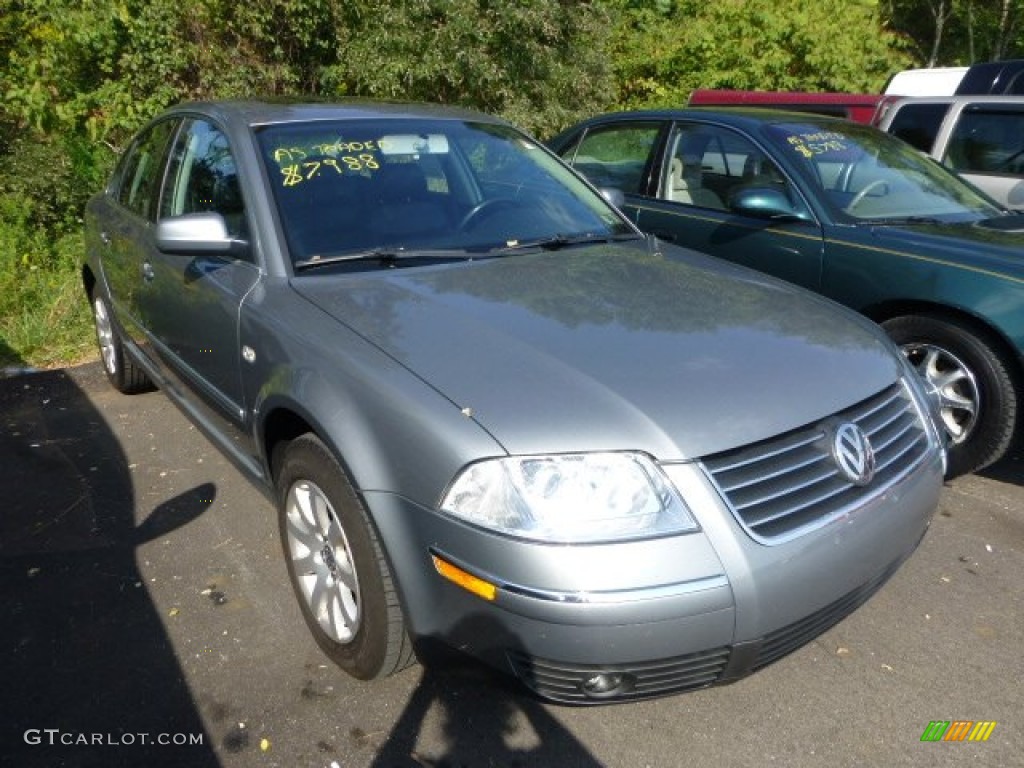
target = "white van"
x: 931, y: 81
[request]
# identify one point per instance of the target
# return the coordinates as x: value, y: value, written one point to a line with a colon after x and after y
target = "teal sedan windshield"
x: 389, y: 189
x: 862, y: 174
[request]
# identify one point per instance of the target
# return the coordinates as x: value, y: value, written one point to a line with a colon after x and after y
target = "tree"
x: 949, y: 32
x: 105, y: 68
x: 665, y: 50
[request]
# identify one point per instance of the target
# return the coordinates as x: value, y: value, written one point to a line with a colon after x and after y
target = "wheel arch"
x: 980, y: 326
x: 284, y: 421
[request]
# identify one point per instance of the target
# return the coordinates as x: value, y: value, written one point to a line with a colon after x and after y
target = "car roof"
x: 977, y: 98
x: 746, y: 117
x: 287, y: 110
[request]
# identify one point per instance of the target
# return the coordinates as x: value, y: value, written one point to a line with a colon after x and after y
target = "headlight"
x: 571, y: 498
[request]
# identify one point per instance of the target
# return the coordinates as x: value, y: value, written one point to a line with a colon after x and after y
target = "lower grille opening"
x: 596, y: 684
x: 784, y: 641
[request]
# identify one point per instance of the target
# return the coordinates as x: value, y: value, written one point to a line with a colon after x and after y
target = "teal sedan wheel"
x: 973, y: 387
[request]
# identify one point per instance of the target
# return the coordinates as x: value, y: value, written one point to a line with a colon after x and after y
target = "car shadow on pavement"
x: 1009, y: 469
x: 90, y: 675
x: 485, y: 717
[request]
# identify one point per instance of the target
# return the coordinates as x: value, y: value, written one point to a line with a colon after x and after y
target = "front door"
x: 705, y: 166
x: 192, y: 303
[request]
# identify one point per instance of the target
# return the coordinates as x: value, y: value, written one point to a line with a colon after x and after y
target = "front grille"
x: 564, y: 682
x: 788, y: 485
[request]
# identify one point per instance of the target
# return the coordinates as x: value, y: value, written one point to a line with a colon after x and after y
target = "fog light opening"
x: 605, y: 685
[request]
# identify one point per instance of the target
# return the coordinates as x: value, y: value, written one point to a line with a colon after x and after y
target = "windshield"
x: 399, y: 186
x: 862, y: 174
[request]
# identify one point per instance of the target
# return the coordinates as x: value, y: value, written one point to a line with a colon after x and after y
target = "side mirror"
x: 613, y: 195
x: 764, y: 203
x: 195, y: 234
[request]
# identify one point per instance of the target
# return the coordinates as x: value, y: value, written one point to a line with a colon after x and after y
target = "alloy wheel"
x: 951, y: 383
x: 321, y: 560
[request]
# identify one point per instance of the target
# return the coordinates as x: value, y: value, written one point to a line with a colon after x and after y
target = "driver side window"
x: 202, y: 177
x: 708, y: 164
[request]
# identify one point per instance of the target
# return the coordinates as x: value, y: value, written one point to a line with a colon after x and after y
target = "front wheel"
x: 974, y: 388
x: 336, y: 564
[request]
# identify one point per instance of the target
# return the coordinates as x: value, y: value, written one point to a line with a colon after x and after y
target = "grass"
x: 45, y: 320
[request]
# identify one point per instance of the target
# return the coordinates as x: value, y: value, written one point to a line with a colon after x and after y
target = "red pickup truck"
x: 859, y: 107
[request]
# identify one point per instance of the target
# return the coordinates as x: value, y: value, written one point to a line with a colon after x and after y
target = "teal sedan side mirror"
x: 613, y: 195
x: 764, y: 203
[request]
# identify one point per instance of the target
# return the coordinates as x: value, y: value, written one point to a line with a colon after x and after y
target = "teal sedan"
x: 849, y: 212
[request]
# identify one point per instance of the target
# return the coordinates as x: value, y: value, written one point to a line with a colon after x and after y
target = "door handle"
x: 666, y: 236
x: 147, y: 271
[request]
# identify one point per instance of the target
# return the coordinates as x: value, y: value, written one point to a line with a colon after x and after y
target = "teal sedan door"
x: 712, y: 185
x: 687, y: 182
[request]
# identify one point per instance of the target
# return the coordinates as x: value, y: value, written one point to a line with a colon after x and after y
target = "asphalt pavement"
x: 148, y: 621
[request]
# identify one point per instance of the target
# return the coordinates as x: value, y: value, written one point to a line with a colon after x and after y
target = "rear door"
x: 124, y: 224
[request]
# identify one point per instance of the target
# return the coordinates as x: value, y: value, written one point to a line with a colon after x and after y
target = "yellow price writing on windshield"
x: 296, y: 173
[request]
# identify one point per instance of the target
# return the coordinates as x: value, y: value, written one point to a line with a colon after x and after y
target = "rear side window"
x: 988, y: 140
x: 138, y: 178
x: 616, y: 156
x: 918, y: 124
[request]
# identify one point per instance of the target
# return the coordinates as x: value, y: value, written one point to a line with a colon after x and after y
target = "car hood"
x: 615, y: 347
x: 993, y: 244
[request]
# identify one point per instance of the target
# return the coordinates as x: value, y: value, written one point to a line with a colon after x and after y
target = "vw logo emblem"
x: 853, y: 454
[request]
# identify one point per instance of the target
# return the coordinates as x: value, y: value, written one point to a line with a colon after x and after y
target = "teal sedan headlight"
x: 572, y: 498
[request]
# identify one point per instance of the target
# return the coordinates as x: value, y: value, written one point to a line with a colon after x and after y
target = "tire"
x: 124, y: 374
x: 976, y: 390
x: 337, y: 566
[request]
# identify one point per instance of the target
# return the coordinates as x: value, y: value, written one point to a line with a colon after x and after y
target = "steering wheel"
x: 486, y: 207
x: 857, y: 198
x: 1009, y: 161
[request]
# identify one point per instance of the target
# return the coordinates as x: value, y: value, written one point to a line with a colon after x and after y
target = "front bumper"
x: 586, y: 624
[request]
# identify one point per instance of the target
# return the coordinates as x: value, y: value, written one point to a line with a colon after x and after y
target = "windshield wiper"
x: 555, y: 242
x: 899, y: 221
x: 387, y: 255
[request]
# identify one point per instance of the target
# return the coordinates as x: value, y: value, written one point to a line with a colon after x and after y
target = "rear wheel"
x: 974, y: 388
x: 122, y: 371
x: 337, y: 566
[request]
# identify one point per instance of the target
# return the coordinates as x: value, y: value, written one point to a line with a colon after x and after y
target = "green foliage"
x: 663, y: 52
x: 958, y: 32
x: 44, y: 320
x: 540, y: 63
x: 52, y: 177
